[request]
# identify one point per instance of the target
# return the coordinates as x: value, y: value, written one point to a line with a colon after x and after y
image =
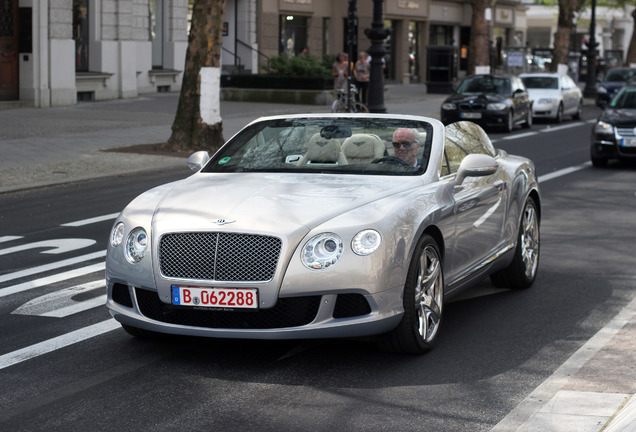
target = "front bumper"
x: 607, y: 148
x: 350, y: 314
x: 487, y: 118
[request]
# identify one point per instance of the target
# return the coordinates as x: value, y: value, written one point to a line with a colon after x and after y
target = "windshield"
x: 620, y: 75
x: 625, y: 99
x: 541, y: 82
x: 485, y: 84
x: 349, y: 145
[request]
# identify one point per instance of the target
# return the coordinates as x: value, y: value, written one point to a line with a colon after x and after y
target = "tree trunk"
x: 478, y: 53
x: 197, y: 124
x: 631, y: 51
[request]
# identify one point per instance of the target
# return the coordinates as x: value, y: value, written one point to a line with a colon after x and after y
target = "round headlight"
x: 117, y: 235
x: 136, y: 245
x: 496, y: 106
x: 366, y: 242
x: 322, y: 251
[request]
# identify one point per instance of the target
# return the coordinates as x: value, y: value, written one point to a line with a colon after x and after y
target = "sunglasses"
x: 406, y: 145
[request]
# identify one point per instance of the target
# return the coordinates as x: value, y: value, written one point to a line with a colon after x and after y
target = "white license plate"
x: 629, y: 142
x: 242, y: 298
x: 468, y: 115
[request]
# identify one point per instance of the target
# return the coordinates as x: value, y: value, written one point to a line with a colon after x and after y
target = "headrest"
x: 321, y: 149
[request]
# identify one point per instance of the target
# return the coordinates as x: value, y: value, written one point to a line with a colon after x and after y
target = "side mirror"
x: 197, y: 160
x: 476, y: 165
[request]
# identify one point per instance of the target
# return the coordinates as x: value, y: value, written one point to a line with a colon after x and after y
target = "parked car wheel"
x: 579, y: 111
x: 599, y: 162
x: 510, y: 123
x: 423, y: 302
x: 528, y: 123
x: 559, y: 114
x: 522, y: 271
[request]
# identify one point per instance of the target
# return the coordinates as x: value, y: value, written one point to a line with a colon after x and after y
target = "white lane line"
x: 562, y: 172
x: 52, y: 266
x: 565, y: 126
x: 55, y: 246
x: 9, y: 238
x: 91, y: 220
x: 521, y: 135
x: 14, y: 289
x: 56, y: 343
x: 60, y: 304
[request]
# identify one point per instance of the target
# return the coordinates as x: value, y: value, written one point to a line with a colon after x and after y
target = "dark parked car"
x: 612, y: 82
x: 614, y: 134
x: 489, y: 100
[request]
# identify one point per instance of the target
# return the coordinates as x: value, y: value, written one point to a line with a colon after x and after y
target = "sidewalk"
x: 593, y: 391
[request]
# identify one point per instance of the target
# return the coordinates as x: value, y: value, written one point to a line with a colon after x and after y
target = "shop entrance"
x: 9, y: 42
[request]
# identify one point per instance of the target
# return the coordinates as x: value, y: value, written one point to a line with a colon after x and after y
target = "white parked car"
x: 553, y: 95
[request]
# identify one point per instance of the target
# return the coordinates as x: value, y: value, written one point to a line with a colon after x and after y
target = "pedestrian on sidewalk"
x: 362, y: 72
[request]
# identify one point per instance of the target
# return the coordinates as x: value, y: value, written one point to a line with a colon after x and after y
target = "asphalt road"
x: 496, y: 346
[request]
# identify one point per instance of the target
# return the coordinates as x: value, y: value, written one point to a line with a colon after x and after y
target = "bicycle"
x: 341, y: 103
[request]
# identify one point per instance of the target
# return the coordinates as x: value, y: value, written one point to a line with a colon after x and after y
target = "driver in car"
x: 406, y: 145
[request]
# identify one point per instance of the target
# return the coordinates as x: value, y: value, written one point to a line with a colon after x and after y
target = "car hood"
x: 481, y: 98
x: 536, y: 94
x: 269, y: 202
x: 612, y: 85
x: 619, y: 117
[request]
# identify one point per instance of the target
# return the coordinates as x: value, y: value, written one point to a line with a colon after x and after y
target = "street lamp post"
x: 352, y: 26
x: 377, y: 33
x: 590, y: 83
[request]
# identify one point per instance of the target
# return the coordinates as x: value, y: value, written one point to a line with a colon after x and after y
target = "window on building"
x: 155, y: 29
x: 293, y: 34
x: 80, y: 34
x: 441, y: 35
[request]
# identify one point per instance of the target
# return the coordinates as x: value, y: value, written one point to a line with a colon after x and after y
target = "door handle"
x: 500, y: 185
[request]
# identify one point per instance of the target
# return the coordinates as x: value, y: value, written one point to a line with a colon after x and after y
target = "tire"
x: 359, y: 107
x: 423, y: 302
x: 528, y: 123
x: 559, y: 114
x: 338, y: 107
x: 579, y: 111
x: 510, y: 123
x: 599, y: 162
x: 522, y: 271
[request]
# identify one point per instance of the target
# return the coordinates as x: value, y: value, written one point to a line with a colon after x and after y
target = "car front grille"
x: 472, y: 107
x: 226, y: 257
x: 626, y: 132
x: 288, y: 312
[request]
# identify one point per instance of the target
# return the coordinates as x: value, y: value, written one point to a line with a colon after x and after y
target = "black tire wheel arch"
x: 423, y: 302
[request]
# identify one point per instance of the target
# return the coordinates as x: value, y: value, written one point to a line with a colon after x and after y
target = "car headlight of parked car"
x: 496, y: 106
x: 601, y: 89
x: 449, y: 106
x: 603, y: 128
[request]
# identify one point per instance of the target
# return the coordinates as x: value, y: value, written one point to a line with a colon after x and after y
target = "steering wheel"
x: 390, y: 160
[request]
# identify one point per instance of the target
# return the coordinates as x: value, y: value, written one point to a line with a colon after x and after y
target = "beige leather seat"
x: 323, y: 151
x: 363, y: 148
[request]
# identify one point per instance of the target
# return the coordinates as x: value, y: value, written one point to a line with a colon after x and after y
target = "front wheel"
x: 423, y: 302
x: 359, y: 107
x: 522, y: 270
x: 528, y: 122
x: 510, y: 122
x: 338, y: 107
x: 579, y: 110
x: 559, y: 114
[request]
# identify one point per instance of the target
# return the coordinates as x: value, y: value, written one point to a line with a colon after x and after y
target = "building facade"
x: 58, y: 52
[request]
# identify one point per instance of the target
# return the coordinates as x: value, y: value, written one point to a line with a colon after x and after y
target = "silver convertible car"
x: 326, y: 226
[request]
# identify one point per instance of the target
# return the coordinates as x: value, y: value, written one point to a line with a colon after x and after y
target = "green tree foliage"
x: 299, y: 66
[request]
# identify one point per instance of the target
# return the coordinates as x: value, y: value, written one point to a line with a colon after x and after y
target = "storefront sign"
x: 504, y: 16
x: 407, y: 8
x: 295, y: 5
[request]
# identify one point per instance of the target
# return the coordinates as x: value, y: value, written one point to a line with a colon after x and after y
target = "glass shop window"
x: 80, y: 34
x: 293, y: 34
x: 155, y: 28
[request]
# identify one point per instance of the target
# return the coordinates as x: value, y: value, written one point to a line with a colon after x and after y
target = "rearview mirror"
x: 476, y: 165
x: 197, y: 160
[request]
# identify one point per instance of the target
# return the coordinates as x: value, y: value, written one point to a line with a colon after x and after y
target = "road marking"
x: 57, y: 246
x: 52, y: 266
x: 51, y: 279
x: 9, y: 238
x: 60, y: 304
x: 56, y: 343
x: 562, y: 172
x: 91, y: 220
x: 565, y: 126
x: 521, y: 135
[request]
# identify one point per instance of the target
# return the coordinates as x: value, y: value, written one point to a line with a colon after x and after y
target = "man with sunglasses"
x: 405, y: 145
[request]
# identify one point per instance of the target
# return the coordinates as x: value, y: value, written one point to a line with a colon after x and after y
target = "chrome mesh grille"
x: 219, y: 256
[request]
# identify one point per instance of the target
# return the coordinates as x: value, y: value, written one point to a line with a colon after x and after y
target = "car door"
x: 570, y: 98
x: 479, y: 203
x: 520, y: 98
